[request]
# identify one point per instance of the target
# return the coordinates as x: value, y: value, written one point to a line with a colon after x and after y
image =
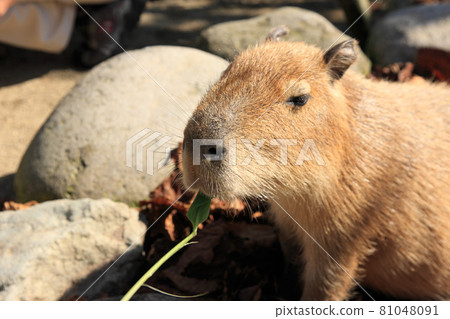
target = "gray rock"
x: 397, y: 36
x: 81, y: 149
x: 58, y: 249
x: 229, y: 38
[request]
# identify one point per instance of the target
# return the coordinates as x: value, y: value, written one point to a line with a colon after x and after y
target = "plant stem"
x: 156, y: 266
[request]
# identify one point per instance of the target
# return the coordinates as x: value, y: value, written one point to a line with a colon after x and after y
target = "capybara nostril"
x: 212, y: 153
x: 212, y: 150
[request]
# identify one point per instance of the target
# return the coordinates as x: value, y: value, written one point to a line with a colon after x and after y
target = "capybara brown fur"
x: 356, y: 171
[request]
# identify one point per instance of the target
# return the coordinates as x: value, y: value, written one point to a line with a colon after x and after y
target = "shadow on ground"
x: 6, y: 187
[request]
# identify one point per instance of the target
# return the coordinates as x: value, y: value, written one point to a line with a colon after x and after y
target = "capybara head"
x: 278, y: 115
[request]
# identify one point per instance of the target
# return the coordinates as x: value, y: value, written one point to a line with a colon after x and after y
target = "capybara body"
x: 356, y: 171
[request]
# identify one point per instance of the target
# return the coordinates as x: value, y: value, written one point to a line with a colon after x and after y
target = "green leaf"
x: 199, y: 210
x: 197, y: 214
x: 156, y: 266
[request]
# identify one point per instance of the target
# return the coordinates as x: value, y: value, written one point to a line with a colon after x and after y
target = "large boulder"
x: 82, y: 151
x: 398, y: 36
x: 229, y: 38
x: 58, y: 249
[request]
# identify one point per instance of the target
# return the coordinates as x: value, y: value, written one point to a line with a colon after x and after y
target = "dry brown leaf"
x: 11, y: 205
x: 434, y: 63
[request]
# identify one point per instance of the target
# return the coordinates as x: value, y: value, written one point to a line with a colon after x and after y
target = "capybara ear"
x: 276, y: 33
x: 339, y: 58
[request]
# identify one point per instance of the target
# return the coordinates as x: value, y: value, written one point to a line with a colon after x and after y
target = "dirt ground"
x: 32, y: 83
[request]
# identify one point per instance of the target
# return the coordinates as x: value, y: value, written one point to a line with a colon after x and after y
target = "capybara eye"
x: 297, y: 101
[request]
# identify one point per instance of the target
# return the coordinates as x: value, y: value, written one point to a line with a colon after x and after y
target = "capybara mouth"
x: 214, y: 185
